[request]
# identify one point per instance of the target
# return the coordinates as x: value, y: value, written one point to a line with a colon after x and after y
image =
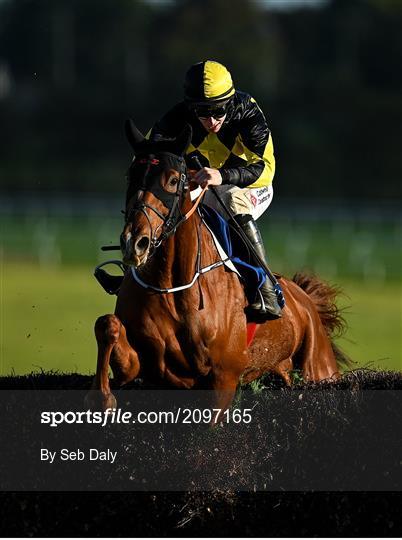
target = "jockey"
x: 232, y: 141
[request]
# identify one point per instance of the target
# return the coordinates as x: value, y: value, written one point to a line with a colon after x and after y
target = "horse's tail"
x: 324, y: 297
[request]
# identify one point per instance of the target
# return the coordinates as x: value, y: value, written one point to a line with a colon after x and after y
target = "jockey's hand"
x: 208, y: 177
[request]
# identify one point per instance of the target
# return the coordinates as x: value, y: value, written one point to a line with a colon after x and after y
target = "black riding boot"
x: 266, y: 306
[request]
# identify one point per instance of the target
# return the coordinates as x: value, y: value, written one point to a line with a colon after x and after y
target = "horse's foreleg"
x: 114, y: 350
x: 124, y: 360
x: 224, y: 386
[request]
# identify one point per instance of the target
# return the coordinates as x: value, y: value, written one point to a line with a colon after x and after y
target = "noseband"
x: 149, y: 180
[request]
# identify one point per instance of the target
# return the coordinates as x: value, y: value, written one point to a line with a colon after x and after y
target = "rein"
x: 198, y: 270
x: 197, y: 274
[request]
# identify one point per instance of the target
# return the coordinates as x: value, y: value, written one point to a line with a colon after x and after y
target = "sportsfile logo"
x: 111, y: 416
x: 118, y: 416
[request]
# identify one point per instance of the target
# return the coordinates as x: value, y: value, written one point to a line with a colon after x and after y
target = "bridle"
x: 148, y: 180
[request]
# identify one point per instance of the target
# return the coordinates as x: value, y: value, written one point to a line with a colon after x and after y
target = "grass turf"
x: 47, y: 317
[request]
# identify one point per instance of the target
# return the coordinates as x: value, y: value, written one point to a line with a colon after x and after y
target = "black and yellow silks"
x: 242, y: 150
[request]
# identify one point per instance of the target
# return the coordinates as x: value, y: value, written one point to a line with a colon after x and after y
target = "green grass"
x: 374, y: 317
x: 361, y: 251
x: 47, y: 318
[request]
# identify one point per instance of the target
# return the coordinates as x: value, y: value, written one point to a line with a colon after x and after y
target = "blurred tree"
x: 329, y: 80
x: 235, y: 34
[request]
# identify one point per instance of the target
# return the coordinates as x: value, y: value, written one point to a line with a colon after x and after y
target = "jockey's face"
x: 211, y: 124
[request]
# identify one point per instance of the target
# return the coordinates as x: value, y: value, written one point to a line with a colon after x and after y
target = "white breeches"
x: 241, y: 200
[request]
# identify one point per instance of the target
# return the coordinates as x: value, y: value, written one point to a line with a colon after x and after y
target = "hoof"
x: 95, y: 400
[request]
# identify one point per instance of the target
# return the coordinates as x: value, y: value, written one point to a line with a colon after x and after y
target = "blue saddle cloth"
x: 253, y: 276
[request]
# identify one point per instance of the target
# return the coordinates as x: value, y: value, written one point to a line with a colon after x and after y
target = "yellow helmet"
x: 208, y: 82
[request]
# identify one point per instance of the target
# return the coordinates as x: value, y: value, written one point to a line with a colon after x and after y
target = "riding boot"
x: 266, y: 306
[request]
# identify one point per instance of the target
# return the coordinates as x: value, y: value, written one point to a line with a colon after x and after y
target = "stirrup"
x: 111, y: 284
x: 259, y: 313
x: 259, y: 316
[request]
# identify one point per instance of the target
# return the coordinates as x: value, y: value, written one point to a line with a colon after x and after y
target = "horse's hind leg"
x: 115, y: 350
x: 283, y: 369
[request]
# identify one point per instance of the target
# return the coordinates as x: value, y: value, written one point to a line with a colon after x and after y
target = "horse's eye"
x: 173, y: 181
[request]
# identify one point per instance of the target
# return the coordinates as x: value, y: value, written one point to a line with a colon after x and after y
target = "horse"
x: 179, y: 319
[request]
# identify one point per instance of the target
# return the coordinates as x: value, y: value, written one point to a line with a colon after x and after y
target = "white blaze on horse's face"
x: 135, y: 247
x: 142, y: 231
x: 132, y: 253
x: 147, y: 215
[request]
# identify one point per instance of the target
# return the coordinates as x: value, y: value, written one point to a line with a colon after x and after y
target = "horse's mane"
x: 324, y: 297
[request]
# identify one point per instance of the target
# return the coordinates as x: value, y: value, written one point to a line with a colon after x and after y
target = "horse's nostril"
x: 141, y: 245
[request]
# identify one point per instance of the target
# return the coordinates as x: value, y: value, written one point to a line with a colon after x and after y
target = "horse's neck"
x: 175, y: 262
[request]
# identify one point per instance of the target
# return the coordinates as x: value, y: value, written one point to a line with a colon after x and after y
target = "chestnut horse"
x: 179, y: 319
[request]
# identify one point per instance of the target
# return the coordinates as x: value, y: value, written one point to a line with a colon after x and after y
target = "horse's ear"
x: 133, y: 134
x: 183, y: 140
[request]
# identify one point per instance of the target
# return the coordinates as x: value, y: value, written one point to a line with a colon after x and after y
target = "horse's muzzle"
x: 141, y: 245
x: 135, y: 249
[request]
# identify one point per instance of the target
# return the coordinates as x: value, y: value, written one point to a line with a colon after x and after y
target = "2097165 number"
x: 206, y: 416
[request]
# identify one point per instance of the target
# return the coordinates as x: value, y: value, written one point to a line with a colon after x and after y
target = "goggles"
x: 208, y: 111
